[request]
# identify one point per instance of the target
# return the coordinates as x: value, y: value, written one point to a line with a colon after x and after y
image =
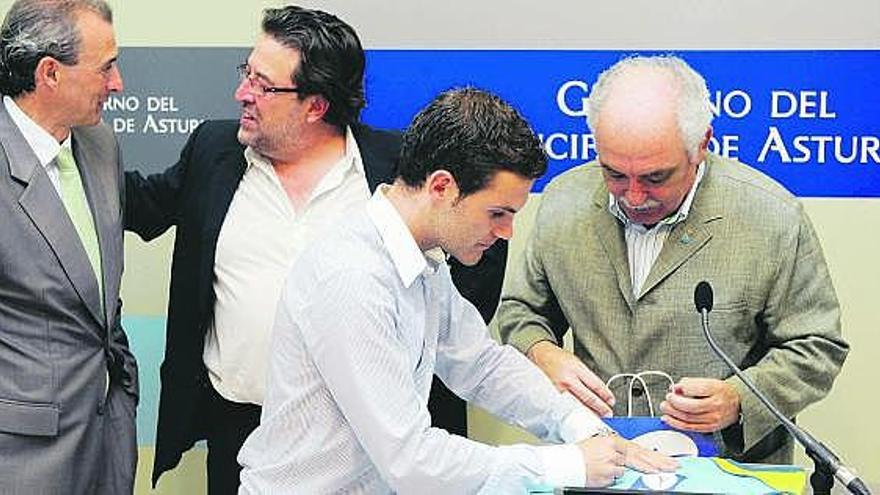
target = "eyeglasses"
x: 257, y: 87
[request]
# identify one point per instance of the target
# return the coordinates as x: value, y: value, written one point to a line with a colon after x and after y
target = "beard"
x: 268, y: 142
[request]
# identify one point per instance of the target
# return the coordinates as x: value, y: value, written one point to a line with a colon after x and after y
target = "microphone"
x: 703, y: 297
x: 822, y: 456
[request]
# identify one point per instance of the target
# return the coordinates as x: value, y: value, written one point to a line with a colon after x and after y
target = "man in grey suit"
x: 619, y: 245
x: 68, y: 382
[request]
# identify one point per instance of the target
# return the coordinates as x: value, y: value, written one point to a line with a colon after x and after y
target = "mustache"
x: 648, y: 205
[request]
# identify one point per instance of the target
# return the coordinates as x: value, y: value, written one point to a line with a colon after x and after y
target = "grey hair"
x: 694, y: 113
x: 34, y: 29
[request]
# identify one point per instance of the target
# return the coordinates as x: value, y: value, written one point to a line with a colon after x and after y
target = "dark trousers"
x: 229, y: 424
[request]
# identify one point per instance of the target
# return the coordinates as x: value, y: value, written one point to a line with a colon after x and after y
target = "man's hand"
x: 604, y: 458
x: 701, y: 404
x: 646, y: 460
x: 568, y: 373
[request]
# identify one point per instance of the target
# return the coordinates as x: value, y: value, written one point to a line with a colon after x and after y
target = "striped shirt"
x: 356, y: 342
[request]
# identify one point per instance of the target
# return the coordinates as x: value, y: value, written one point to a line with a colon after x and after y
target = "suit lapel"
x: 610, y: 235
x: 44, y: 207
x: 684, y: 241
x: 99, y: 181
x: 41, y: 203
x: 21, y: 160
x: 227, y: 173
x: 689, y: 237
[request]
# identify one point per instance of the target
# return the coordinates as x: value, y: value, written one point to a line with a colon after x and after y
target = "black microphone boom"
x: 823, y: 457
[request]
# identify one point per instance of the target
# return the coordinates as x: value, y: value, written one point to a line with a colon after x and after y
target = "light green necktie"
x: 74, y: 197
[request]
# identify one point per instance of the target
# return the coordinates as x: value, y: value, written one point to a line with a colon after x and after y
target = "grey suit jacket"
x: 59, y: 431
x: 775, y: 312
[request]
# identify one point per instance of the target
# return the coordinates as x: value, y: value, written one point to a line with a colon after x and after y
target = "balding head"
x: 639, y: 114
x: 638, y: 95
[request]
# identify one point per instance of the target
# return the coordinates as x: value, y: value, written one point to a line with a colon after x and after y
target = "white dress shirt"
x: 44, y: 145
x: 363, y: 324
x: 643, y: 245
x: 261, y: 237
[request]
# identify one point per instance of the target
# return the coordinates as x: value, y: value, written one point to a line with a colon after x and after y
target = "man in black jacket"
x: 245, y: 197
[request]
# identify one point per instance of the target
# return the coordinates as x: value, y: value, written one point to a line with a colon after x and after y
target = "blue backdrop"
x: 810, y: 119
x: 807, y: 118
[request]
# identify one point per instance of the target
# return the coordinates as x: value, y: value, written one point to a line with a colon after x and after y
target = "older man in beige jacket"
x: 620, y: 243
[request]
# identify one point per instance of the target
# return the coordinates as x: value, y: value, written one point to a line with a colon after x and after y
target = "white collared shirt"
x: 643, y: 245
x: 364, y: 323
x: 262, y: 235
x: 41, y: 142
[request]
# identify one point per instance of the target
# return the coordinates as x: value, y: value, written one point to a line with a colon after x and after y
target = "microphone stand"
x: 827, y: 464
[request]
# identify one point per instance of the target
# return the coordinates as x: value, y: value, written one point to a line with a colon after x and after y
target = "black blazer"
x: 194, y: 195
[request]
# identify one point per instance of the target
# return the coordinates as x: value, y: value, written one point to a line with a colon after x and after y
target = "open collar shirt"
x: 262, y: 235
x: 354, y: 348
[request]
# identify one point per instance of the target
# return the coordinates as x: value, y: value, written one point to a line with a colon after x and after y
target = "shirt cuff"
x: 580, y: 423
x: 563, y: 465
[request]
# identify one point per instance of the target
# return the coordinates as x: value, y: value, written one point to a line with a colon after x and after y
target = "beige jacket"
x: 775, y: 312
